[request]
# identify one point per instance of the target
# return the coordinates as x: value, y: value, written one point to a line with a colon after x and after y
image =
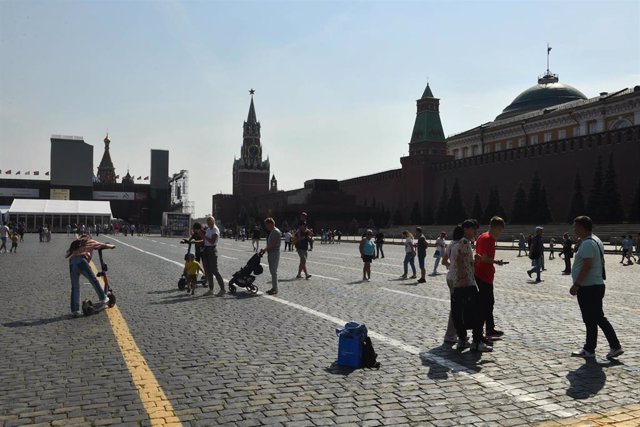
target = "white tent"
x: 59, y: 213
x: 60, y: 207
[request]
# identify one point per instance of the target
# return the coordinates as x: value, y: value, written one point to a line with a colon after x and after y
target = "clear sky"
x: 336, y: 82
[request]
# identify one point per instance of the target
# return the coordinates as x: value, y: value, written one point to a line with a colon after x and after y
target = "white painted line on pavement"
x: 415, y: 295
x: 228, y: 257
x: 516, y: 393
x: 519, y: 394
x: 181, y: 265
x: 325, y: 277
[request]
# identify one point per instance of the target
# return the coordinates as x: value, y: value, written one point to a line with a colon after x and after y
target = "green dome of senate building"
x: 547, y: 93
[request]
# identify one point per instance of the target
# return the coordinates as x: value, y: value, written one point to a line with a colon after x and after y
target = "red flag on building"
x: 36, y: 172
x: 18, y: 173
x: 146, y: 178
x: 47, y: 173
x: 8, y: 172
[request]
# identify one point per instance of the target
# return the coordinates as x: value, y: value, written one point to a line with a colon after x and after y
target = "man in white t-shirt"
x: 210, y: 256
x: 588, y: 275
x: 4, y: 232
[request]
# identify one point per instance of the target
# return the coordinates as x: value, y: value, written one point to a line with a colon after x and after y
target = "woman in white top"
x: 409, y: 254
x: 451, y: 336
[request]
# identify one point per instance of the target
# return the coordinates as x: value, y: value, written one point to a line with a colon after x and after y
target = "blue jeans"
x: 78, y: 266
x: 409, y: 259
x: 537, y: 268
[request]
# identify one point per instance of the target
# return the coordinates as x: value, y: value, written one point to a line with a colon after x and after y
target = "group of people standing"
x: 470, y: 279
x: 371, y: 248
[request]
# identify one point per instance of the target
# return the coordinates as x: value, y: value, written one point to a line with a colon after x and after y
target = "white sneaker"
x: 105, y: 301
x: 480, y: 346
x: 583, y: 353
x: 462, y: 344
x: 613, y: 353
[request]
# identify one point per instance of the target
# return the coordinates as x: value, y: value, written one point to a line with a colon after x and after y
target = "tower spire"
x: 548, y: 77
x: 548, y: 51
x: 251, y: 118
x: 106, y: 171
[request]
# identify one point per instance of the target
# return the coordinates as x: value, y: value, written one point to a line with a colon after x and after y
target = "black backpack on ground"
x: 369, y: 355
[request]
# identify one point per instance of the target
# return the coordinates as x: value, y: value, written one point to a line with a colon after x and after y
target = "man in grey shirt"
x: 273, y: 253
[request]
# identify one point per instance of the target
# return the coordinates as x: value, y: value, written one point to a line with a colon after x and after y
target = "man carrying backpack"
x: 588, y: 275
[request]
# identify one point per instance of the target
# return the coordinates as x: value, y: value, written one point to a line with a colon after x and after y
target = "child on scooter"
x: 191, y: 268
x: 80, y: 253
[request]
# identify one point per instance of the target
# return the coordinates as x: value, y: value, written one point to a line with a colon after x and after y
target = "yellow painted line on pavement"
x: 153, y: 398
x: 626, y: 416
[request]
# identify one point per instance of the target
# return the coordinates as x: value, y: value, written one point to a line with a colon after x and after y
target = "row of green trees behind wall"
x: 530, y: 206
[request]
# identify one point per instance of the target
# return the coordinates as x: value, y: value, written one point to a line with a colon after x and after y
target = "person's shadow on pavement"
x: 587, y: 380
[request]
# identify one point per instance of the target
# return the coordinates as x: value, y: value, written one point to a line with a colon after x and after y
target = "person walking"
x: 210, y: 256
x: 484, y: 271
x: 627, y: 250
x: 274, y: 241
x: 441, y: 246
x: 522, y: 245
x: 567, y: 252
x: 14, y: 237
x: 451, y: 335
x: 409, y: 254
x: 302, y: 247
x: 536, y: 254
x: 379, y: 244
x: 421, y: 247
x: 287, y: 241
x: 4, y: 232
x: 588, y: 276
x: 367, y: 252
x: 464, y: 302
x: 255, y: 239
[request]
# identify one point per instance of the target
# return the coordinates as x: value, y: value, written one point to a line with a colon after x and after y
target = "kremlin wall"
x: 551, y: 133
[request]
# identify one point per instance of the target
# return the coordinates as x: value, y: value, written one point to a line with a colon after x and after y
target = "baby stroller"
x: 244, y: 277
x: 182, y: 282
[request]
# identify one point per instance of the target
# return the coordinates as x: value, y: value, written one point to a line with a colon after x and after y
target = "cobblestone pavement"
x: 260, y: 360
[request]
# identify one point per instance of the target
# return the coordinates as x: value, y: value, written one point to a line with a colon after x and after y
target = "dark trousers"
x: 464, y: 310
x: 211, y: 266
x: 567, y: 263
x: 379, y: 250
x: 486, y: 303
x: 590, y: 301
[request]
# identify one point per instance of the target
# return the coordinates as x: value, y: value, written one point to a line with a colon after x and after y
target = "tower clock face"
x: 254, y: 150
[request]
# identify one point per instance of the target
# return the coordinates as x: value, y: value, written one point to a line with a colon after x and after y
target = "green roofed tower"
x: 427, y: 136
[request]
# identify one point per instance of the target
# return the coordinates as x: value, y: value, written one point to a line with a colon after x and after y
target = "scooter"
x: 89, y: 308
x: 182, y: 282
